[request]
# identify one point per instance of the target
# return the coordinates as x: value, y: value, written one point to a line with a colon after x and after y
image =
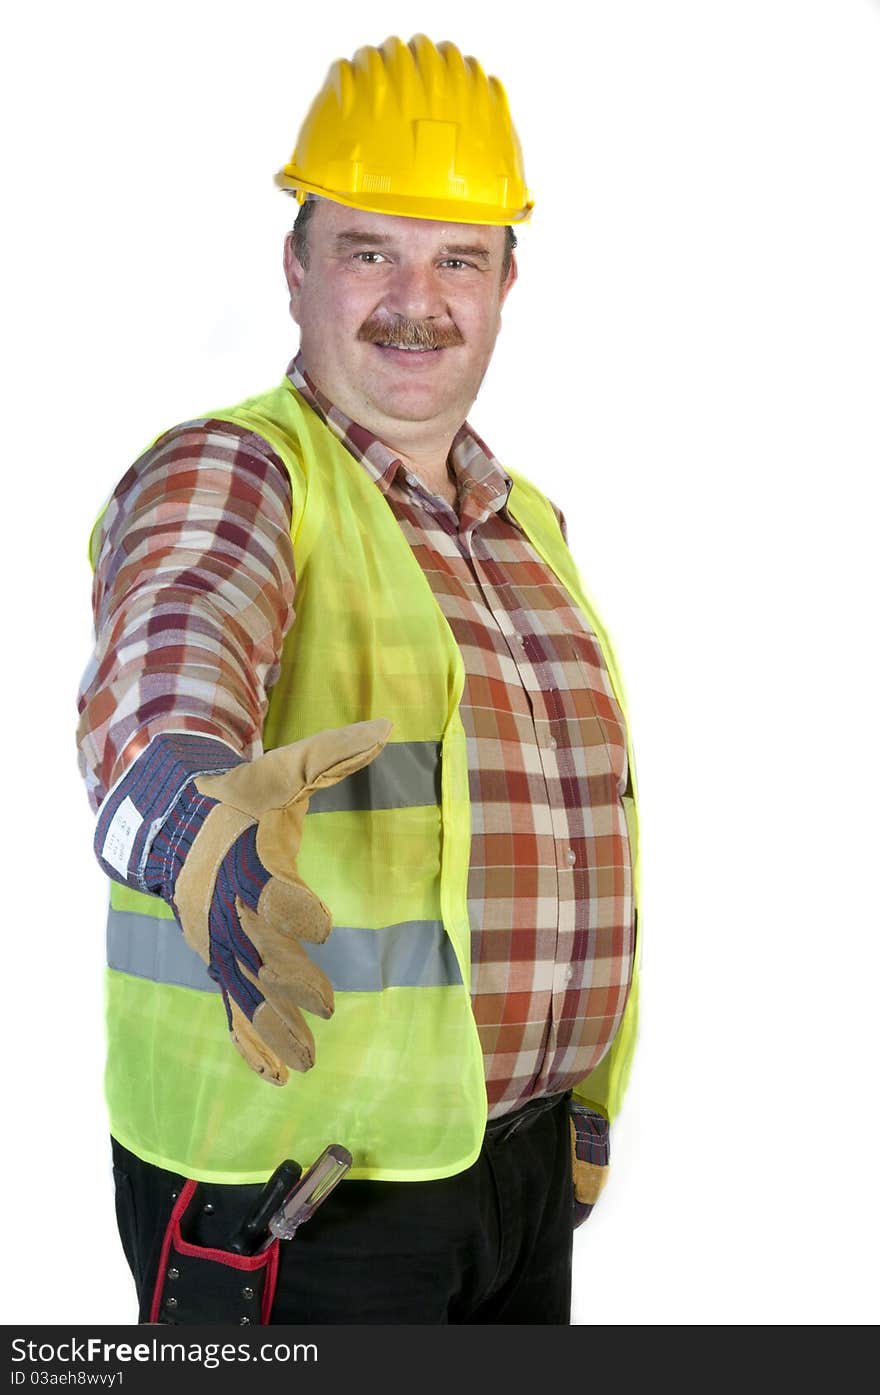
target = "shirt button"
x: 571, y: 857
x: 569, y: 973
x: 552, y: 743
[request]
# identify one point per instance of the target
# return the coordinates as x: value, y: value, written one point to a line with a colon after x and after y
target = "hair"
x: 301, y: 236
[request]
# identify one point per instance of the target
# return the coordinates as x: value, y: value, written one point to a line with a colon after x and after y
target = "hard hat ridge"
x: 415, y: 129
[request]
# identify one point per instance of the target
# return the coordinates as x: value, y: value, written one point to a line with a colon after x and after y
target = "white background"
x: 690, y: 367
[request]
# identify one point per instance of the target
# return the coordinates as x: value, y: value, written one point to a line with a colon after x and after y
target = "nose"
x: 415, y: 292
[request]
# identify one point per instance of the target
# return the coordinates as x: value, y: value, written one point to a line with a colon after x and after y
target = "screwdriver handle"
x: 313, y: 1187
x: 254, y: 1229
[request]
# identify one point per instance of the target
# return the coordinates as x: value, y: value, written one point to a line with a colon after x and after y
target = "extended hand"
x: 221, y: 849
x: 242, y: 904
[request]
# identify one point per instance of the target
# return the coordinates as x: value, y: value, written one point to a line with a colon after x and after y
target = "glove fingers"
x: 292, y: 908
x: 237, y: 983
x: 288, y: 977
x: 271, y: 1039
x: 255, y: 1051
x: 589, y: 1179
x: 290, y: 1036
x: 266, y: 1050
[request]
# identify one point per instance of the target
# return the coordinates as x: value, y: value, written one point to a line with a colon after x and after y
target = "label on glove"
x: 121, y: 835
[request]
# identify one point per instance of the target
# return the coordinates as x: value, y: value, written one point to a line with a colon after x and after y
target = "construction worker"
x: 357, y: 746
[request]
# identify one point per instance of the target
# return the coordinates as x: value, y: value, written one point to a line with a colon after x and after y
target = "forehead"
x: 334, y: 222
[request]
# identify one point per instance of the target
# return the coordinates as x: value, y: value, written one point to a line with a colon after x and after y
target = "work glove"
x: 590, y: 1156
x: 217, y: 838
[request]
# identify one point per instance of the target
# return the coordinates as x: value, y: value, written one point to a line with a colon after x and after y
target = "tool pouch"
x: 197, y: 1284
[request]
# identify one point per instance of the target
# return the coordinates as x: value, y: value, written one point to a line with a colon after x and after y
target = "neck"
x: 423, y: 446
x: 430, y: 465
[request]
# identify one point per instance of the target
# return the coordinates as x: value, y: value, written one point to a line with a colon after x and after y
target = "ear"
x: 294, y: 273
x: 509, y: 279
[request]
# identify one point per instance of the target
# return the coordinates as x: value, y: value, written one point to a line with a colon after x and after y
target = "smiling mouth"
x: 411, y: 348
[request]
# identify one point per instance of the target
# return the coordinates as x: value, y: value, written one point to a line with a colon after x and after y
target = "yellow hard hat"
x: 413, y: 129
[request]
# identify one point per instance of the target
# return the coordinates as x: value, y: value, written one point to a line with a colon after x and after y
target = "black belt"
x: 506, y: 1124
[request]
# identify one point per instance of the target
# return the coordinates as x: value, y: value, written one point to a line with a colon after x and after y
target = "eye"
x: 368, y: 258
x: 455, y: 262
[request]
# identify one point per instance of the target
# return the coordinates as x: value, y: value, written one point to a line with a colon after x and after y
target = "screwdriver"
x: 313, y: 1187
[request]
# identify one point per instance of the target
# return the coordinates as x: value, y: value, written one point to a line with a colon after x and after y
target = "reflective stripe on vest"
x: 410, y: 953
x: 414, y: 954
x: 404, y: 775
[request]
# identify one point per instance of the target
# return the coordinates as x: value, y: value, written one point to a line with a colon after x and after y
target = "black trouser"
x: 492, y: 1244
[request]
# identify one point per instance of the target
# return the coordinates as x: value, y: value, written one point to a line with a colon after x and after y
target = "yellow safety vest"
x: 399, y: 1074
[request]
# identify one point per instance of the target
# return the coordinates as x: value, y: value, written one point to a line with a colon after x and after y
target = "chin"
x: 436, y: 396
x: 412, y: 406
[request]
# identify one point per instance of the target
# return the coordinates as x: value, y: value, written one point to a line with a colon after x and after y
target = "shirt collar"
x: 479, y: 474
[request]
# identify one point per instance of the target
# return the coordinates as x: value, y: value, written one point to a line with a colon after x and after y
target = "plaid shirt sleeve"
x: 193, y: 594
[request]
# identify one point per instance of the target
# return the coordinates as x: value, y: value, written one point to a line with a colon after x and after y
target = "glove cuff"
x: 147, y: 796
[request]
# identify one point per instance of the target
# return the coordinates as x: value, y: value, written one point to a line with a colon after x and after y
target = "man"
x: 352, y: 727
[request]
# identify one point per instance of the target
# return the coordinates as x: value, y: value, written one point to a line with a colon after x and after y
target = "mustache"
x: 409, y: 334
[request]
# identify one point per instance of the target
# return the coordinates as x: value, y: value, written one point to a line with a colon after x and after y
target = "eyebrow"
x: 353, y: 238
x: 462, y: 249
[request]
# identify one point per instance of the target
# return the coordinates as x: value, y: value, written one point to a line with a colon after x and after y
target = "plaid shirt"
x: 194, y: 591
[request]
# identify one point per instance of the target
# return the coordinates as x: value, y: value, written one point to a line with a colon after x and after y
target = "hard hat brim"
x: 399, y: 205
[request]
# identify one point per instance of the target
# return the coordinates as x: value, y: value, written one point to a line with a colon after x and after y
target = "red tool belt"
x: 196, y: 1284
